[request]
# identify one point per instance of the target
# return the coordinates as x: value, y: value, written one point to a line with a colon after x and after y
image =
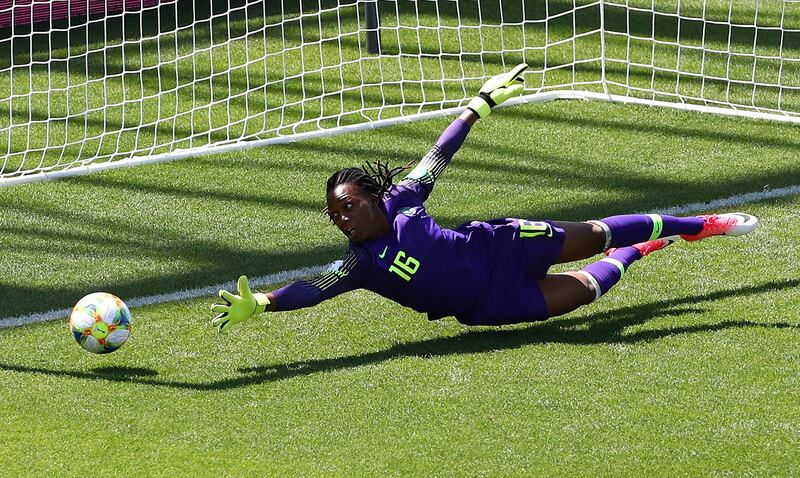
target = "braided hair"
x: 374, y: 179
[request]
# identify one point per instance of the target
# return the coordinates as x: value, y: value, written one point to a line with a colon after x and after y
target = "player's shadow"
x: 109, y: 373
x: 606, y: 327
x: 122, y: 373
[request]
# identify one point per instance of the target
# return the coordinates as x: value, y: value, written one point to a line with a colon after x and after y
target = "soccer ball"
x: 100, y: 322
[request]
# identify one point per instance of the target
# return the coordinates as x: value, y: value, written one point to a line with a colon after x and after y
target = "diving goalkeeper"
x: 482, y: 272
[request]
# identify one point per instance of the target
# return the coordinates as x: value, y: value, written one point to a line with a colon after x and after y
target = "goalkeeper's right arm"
x: 239, y: 308
x: 305, y: 293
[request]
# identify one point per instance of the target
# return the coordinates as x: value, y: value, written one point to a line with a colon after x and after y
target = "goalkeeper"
x: 482, y: 272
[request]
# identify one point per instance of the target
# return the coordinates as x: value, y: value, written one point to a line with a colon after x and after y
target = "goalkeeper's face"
x: 357, y: 214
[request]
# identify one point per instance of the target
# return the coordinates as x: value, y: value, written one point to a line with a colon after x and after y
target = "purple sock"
x: 629, y: 229
x: 604, y: 273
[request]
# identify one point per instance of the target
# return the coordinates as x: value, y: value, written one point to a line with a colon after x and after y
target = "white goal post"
x: 97, y: 84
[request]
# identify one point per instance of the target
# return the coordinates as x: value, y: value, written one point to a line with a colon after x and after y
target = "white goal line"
x: 295, y: 274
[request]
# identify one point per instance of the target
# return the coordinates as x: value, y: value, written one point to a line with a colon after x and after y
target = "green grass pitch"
x: 689, y: 367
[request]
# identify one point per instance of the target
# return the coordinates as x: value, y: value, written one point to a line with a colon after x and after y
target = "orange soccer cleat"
x: 729, y: 224
x: 649, y: 247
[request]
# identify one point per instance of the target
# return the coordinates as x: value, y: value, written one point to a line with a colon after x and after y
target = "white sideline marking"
x: 731, y: 201
x: 174, y: 296
x: 285, y: 276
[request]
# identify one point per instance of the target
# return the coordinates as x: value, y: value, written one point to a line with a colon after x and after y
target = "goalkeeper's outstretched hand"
x: 238, y: 308
x: 498, y: 89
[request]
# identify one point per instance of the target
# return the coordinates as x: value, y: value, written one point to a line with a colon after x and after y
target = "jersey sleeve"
x: 422, y: 178
x: 340, y: 277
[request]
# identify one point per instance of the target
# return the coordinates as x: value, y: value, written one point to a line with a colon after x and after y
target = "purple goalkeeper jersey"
x: 465, y: 272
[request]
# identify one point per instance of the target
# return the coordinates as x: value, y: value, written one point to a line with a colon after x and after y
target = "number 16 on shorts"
x: 534, y: 228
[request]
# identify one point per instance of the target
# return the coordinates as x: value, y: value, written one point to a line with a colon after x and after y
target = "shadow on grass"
x: 122, y: 373
x: 110, y: 373
x: 608, y: 327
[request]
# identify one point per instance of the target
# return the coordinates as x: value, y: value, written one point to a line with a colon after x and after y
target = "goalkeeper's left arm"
x: 497, y: 90
x: 494, y: 92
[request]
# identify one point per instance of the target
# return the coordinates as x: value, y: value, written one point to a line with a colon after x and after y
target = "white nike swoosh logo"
x: 384, y: 252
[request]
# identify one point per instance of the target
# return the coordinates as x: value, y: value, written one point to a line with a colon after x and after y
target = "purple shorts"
x: 521, y: 253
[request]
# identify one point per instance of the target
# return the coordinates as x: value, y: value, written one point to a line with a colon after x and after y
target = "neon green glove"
x: 238, y: 308
x: 498, y: 89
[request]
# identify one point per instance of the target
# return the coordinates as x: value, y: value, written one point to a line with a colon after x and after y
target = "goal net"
x: 92, y: 84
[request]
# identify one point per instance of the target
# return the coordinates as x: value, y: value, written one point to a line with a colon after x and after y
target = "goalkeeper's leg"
x: 585, y: 239
x: 649, y: 232
x: 566, y: 292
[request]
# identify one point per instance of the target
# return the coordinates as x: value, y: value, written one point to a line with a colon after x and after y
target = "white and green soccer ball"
x: 100, y: 322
